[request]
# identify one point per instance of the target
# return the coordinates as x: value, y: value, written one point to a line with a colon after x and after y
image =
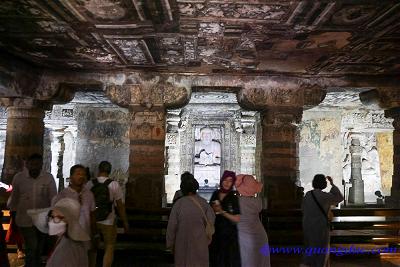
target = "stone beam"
x: 228, y: 80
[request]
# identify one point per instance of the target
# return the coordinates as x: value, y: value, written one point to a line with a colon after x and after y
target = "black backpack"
x: 102, y: 199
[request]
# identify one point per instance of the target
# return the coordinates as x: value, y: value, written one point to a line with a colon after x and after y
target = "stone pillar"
x: 145, y: 188
x: 388, y: 98
x: 356, y: 191
x: 279, y: 160
x: 394, y: 199
x: 281, y: 107
x: 147, y: 102
x: 57, y: 156
x: 24, y: 137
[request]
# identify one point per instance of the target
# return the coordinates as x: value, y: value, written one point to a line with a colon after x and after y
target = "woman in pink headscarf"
x: 253, y: 239
x: 224, y: 248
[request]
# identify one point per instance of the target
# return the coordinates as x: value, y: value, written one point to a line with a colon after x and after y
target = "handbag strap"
x: 319, y: 206
x: 198, y: 205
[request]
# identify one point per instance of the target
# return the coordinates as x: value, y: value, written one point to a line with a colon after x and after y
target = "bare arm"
x: 335, y: 194
x: 122, y: 213
x: 93, y: 226
x: 231, y: 217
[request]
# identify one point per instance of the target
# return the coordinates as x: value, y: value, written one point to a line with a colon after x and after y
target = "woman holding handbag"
x: 316, y: 224
x: 186, y: 230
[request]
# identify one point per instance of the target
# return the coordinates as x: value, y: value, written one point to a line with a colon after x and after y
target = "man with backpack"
x: 108, y: 196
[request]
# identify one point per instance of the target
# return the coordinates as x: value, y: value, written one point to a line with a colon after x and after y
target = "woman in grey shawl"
x: 316, y: 206
x: 253, y: 240
x: 186, y: 234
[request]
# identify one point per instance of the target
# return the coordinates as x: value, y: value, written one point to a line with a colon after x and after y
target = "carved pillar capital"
x: 282, y: 115
x: 313, y: 95
x: 394, y: 113
x: 386, y: 97
x: 281, y: 96
x: 25, y: 130
x: 24, y: 103
x: 148, y: 94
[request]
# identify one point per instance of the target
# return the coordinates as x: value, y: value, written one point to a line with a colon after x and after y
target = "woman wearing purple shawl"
x: 224, y: 248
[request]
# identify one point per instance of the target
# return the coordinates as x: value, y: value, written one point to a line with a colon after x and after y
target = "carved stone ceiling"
x: 205, y: 36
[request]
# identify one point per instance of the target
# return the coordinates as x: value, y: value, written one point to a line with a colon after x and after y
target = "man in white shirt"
x: 33, y: 188
x: 108, y: 227
x: 78, y: 191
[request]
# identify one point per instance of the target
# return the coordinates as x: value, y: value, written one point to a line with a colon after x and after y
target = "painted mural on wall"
x: 325, y: 148
x: 385, y: 149
x: 320, y: 148
x: 103, y: 134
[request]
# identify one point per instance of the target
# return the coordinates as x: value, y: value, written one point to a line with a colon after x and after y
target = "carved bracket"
x: 148, y: 94
x: 395, y: 114
x: 261, y: 98
x: 386, y: 98
x: 24, y: 103
x: 284, y: 115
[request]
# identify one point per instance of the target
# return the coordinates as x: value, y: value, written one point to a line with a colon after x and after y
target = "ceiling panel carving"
x: 257, y: 36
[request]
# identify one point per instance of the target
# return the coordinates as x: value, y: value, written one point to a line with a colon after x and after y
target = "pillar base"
x: 283, y: 196
x: 144, y: 194
x: 393, y: 201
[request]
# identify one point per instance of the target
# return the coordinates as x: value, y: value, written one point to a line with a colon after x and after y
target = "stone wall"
x: 385, y: 149
x: 325, y: 148
x: 103, y: 134
x: 320, y: 147
x: 3, y: 127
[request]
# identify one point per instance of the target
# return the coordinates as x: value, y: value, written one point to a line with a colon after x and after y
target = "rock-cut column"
x: 25, y: 128
x: 394, y: 199
x: 356, y: 191
x: 280, y: 161
x: 147, y: 103
x: 281, y: 105
x: 145, y: 188
x: 57, y: 156
x: 388, y: 98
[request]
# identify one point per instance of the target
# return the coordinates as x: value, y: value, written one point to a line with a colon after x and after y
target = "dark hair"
x: 105, y: 166
x: 186, y: 176
x: 189, y: 186
x: 88, y: 175
x: 319, y: 181
x: 35, y: 156
x: 75, y: 167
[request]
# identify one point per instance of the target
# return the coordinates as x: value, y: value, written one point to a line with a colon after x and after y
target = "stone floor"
x: 123, y: 260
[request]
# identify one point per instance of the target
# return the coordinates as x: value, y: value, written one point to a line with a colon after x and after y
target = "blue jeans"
x: 34, y: 244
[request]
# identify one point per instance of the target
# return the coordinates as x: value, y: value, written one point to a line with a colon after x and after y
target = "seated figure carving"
x: 207, y: 150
